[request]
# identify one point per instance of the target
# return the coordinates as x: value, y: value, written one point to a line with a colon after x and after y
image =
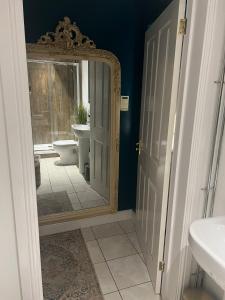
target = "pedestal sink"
x: 83, y: 133
x: 207, y: 241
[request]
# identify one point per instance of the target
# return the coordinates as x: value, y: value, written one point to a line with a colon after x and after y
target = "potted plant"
x: 81, y: 114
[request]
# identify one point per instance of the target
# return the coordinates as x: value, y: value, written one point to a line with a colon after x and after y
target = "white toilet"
x: 68, y: 152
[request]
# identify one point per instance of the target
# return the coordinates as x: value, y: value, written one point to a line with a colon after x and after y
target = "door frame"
x: 18, y: 140
x: 201, y: 66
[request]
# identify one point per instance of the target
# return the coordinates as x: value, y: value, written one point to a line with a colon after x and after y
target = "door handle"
x: 139, y: 147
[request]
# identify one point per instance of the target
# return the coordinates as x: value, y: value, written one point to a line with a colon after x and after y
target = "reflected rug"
x: 53, y: 203
x: 67, y: 271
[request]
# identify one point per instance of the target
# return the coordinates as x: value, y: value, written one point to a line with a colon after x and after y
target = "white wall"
x: 219, y: 210
x: 219, y: 204
x: 85, y: 93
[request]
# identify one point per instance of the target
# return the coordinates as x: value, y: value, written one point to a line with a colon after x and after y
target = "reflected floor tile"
x: 81, y: 187
x: 45, y: 180
x: 73, y: 197
x: 116, y: 246
x: 66, y: 188
x: 92, y: 203
x: 76, y: 206
x: 139, y: 292
x: 59, y: 181
x: 77, y: 178
x: 107, y: 230
x: 113, y: 296
x: 105, y: 279
x: 44, y: 189
x: 74, y: 201
x: 128, y: 271
x: 95, y: 252
x: 88, y: 195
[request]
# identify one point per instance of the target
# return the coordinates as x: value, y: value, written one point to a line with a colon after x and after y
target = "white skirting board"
x: 82, y: 223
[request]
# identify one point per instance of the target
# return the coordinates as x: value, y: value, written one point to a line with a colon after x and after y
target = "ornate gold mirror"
x: 75, y: 107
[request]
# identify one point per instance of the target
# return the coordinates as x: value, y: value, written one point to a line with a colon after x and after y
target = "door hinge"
x: 161, y: 266
x: 183, y: 26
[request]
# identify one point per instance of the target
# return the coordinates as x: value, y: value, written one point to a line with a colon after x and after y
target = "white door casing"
x: 20, y: 265
x: 163, y: 48
x: 99, y: 97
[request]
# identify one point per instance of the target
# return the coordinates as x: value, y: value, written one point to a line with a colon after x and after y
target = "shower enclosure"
x: 54, y: 94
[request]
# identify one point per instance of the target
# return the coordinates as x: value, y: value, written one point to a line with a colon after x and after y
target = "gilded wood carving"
x: 67, y: 35
x: 68, y: 44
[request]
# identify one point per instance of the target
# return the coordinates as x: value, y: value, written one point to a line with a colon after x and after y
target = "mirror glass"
x: 70, y: 115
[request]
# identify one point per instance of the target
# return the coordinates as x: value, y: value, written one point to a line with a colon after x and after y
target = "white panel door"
x: 99, y: 95
x: 163, y: 47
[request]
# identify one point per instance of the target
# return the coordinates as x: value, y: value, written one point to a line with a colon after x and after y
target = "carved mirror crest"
x: 67, y: 35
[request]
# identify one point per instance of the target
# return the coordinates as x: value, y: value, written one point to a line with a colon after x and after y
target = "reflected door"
x: 163, y: 47
x: 99, y: 95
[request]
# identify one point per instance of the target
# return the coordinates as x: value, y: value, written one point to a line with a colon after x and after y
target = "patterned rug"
x: 53, y: 203
x: 67, y: 271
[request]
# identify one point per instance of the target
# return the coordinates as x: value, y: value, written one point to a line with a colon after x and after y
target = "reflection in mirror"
x: 71, y: 134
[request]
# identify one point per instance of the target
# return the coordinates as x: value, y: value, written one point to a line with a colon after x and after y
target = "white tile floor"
x: 118, y: 262
x: 67, y: 178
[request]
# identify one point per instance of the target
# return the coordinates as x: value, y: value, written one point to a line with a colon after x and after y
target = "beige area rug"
x: 67, y: 271
x: 53, y: 203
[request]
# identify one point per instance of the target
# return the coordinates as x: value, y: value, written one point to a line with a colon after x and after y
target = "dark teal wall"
x: 118, y: 26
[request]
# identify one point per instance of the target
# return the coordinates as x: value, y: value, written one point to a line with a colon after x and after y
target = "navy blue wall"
x: 118, y: 26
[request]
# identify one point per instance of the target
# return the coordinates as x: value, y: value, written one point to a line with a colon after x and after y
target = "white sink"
x: 207, y: 241
x: 81, y: 130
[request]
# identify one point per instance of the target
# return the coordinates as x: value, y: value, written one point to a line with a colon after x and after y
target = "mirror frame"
x: 60, y: 46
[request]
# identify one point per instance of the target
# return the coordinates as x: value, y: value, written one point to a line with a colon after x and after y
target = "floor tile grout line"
x: 108, y: 237
x: 149, y: 281
x: 119, y: 256
x: 112, y: 274
x: 137, y: 253
x: 49, y: 177
x: 133, y: 243
x: 108, y: 267
x: 101, y: 250
x: 125, y: 257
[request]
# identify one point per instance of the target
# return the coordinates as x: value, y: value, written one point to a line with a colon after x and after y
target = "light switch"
x: 124, y: 103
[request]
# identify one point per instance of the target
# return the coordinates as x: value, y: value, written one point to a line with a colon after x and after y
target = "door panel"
x: 99, y: 94
x: 160, y: 82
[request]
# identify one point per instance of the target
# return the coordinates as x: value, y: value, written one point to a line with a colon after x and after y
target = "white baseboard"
x: 82, y: 223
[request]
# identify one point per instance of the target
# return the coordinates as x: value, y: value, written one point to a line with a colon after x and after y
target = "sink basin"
x: 207, y: 241
x: 81, y: 130
x: 83, y: 133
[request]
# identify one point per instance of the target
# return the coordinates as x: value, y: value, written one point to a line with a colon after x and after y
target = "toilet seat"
x: 67, y: 150
x: 65, y: 143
